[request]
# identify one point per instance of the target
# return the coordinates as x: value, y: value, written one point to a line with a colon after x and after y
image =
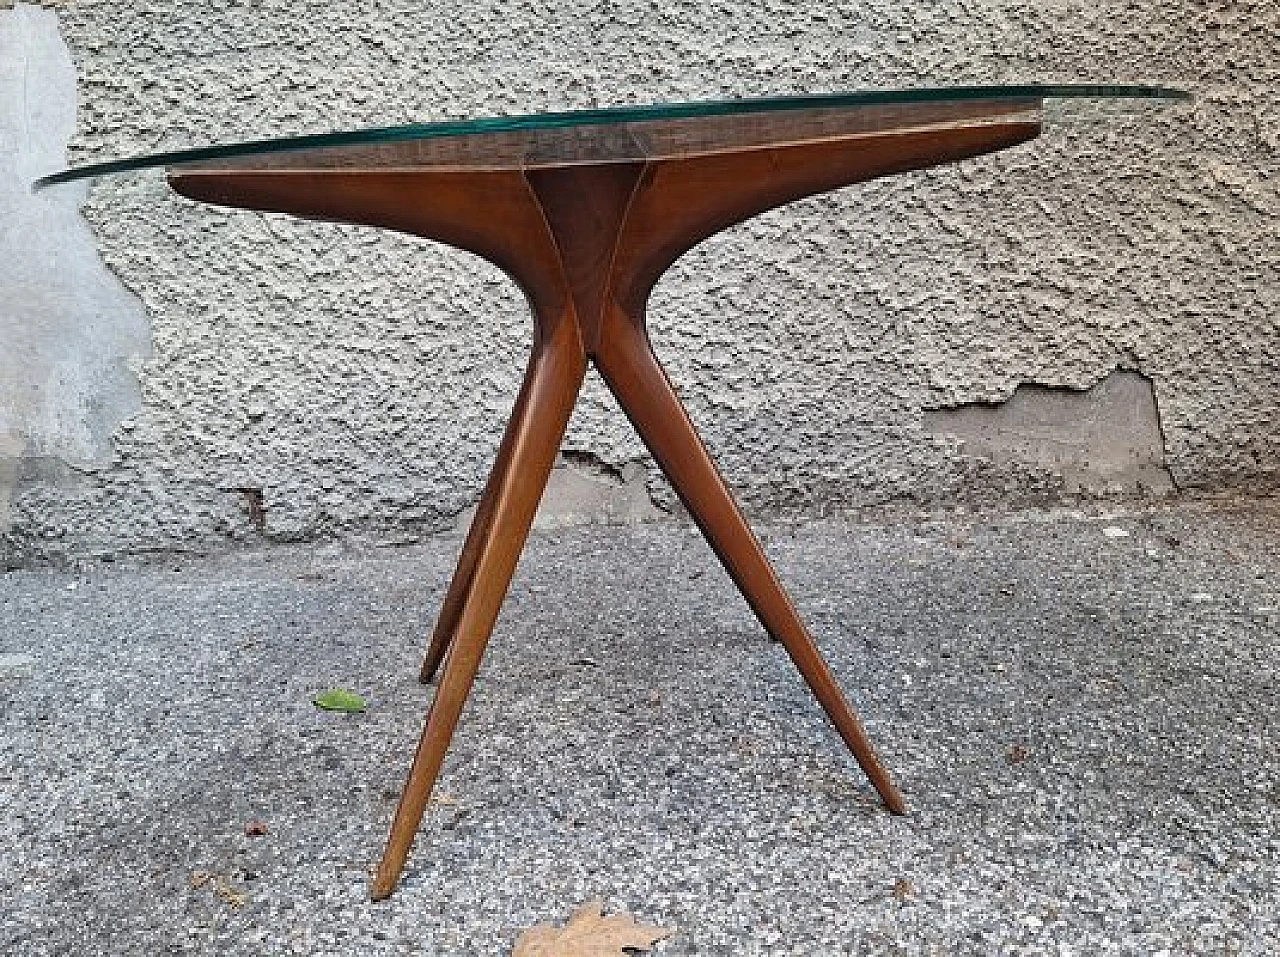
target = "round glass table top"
x: 621, y: 133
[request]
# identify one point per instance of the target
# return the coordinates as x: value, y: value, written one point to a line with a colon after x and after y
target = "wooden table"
x: 585, y: 211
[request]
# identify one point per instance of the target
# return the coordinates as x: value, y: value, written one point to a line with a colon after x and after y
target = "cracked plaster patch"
x: 1103, y: 440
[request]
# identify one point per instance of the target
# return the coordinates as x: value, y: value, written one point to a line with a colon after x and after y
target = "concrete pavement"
x: 1081, y: 708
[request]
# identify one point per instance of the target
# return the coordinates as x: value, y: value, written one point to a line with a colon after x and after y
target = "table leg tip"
x: 380, y: 888
x: 896, y: 803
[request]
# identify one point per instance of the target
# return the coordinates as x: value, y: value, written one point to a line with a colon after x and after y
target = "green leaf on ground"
x: 339, y: 699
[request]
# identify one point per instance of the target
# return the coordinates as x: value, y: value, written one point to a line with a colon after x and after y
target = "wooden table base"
x: 587, y: 243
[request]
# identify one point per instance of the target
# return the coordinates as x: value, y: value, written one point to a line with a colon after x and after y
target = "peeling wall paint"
x: 360, y: 379
x: 68, y: 329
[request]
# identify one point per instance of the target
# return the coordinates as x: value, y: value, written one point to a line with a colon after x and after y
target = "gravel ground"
x: 1081, y: 709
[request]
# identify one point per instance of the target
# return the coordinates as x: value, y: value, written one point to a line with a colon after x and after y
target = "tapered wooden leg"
x: 632, y: 372
x: 555, y: 376
x: 464, y: 574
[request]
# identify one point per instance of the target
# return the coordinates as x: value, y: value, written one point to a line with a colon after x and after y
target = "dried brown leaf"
x: 200, y: 878
x: 229, y: 895
x: 222, y: 888
x: 589, y: 934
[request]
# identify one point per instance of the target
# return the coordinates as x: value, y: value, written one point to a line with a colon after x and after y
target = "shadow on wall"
x: 69, y: 329
x: 1102, y: 440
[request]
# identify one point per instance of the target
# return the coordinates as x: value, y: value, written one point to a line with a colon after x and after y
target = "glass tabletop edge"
x: 608, y: 115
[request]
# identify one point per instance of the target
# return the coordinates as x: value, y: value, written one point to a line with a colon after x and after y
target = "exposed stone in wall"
x: 359, y: 380
x: 1104, y: 440
x: 584, y: 490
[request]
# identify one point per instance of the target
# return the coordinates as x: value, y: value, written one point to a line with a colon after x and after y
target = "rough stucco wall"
x: 360, y: 379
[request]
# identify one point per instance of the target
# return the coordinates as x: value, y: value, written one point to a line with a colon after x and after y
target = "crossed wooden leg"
x: 505, y: 514
x: 609, y: 245
x: 464, y: 574
x: 552, y: 383
x: 633, y: 373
